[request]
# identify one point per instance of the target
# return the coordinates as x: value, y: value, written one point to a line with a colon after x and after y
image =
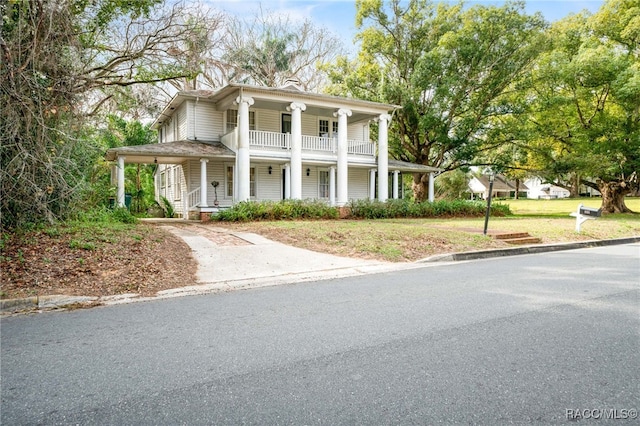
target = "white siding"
x: 309, y: 124
x: 268, y: 186
x: 268, y: 120
x: 358, y: 131
x: 205, y: 122
x: 168, y: 129
x: 358, y: 184
x: 309, y: 183
x: 181, y: 115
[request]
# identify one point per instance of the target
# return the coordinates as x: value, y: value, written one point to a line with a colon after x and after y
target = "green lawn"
x: 559, y: 207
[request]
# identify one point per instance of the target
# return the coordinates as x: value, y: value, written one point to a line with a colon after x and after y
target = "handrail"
x: 193, y: 198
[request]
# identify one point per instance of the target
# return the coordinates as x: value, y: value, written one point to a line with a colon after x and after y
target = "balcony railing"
x: 275, y: 141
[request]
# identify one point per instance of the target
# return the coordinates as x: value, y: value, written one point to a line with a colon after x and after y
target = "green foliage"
x: 582, y: 122
x: 453, y: 185
x: 169, y: 211
x: 62, y: 62
x: 122, y: 214
x: 367, y: 209
x: 449, y: 67
x: 278, y: 210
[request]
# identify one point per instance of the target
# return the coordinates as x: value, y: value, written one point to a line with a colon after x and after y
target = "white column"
x: 120, y: 191
x: 296, y: 109
x: 243, y: 160
x: 372, y: 184
x: 203, y: 182
x: 287, y: 181
x: 396, y: 173
x: 431, y: 191
x: 343, y: 165
x: 332, y: 186
x: 383, y: 157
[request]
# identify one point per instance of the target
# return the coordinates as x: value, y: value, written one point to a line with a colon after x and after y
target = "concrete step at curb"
x: 511, y: 235
x: 524, y: 240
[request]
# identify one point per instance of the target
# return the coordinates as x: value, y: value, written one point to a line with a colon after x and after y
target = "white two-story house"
x: 242, y: 142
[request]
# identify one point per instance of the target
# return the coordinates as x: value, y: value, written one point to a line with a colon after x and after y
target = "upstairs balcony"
x: 276, y: 143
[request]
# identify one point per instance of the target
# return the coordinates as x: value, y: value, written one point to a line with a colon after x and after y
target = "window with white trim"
x: 327, y: 128
x: 323, y: 184
x: 232, y: 119
x: 177, y: 181
x: 228, y: 181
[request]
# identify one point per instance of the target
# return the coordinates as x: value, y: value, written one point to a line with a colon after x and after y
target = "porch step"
x: 517, y: 238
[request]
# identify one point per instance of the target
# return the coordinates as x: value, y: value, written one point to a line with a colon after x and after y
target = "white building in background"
x: 546, y: 191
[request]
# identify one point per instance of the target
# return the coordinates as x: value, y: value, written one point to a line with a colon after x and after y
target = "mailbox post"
x: 582, y: 214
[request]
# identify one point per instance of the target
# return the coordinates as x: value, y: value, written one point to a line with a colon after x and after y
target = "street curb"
x: 532, y: 249
x: 8, y: 306
x: 27, y: 304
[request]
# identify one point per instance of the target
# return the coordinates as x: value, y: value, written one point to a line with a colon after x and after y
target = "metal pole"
x: 486, y: 216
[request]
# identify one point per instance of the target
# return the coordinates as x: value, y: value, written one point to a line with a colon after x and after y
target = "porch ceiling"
x: 170, y: 152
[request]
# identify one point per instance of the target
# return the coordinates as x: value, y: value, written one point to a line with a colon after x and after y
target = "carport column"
x: 431, y: 191
x: 287, y: 181
x: 383, y: 157
x: 372, y: 184
x: 296, y: 109
x: 332, y: 186
x: 203, y: 182
x: 343, y: 150
x: 243, y: 160
x: 395, y: 184
x: 120, y: 192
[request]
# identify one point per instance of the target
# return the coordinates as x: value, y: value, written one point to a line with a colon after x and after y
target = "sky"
x: 338, y: 16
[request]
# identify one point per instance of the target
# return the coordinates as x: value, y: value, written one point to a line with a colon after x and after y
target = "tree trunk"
x: 517, y: 194
x: 420, y: 186
x: 574, y: 186
x: 613, y: 196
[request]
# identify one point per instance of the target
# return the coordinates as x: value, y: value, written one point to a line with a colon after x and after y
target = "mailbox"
x: 586, y: 211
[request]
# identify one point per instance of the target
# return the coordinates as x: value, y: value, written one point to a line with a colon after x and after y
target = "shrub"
x: 167, y: 207
x: 372, y: 209
x: 278, y: 210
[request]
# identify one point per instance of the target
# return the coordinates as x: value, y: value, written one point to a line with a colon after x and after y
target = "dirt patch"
x: 144, y: 260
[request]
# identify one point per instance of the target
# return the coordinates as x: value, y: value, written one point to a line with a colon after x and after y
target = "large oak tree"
x: 449, y: 67
x: 583, y: 122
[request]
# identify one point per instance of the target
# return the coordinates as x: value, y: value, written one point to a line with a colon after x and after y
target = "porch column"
x: 332, y: 186
x: 383, y: 157
x: 120, y: 191
x: 203, y: 182
x: 296, y: 109
x: 372, y: 184
x: 287, y: 181
x: 431, y: 191
x: 243, y: 159
x: 395, y: 184
x: 343, y: 149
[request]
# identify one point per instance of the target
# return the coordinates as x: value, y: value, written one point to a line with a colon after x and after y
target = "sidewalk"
x: 230, y: 260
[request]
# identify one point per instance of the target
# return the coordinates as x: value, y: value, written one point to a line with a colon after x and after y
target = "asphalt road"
x: 538, y: 339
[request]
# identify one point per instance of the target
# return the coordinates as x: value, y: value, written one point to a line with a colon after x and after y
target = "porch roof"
x: 500, y: 183
x: 404, y: 166
x: 169, y: 152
